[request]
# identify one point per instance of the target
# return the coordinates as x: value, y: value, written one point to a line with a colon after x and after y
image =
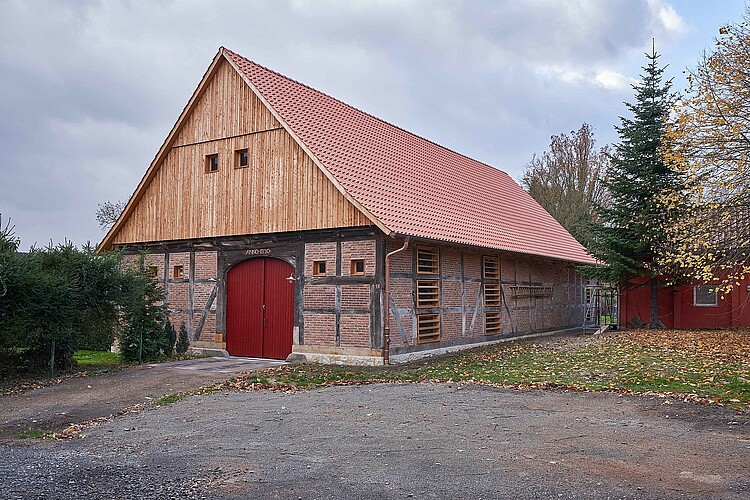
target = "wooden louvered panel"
x: 428, y: 293
x: 492, y: 323
x: 492, y: 297
x: 428, y: 328
x: 491, y: 268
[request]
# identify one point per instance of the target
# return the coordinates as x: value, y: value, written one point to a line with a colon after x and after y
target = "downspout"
x: 387, y: 327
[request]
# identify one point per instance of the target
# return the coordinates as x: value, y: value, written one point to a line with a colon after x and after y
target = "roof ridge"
x: 235, y: 54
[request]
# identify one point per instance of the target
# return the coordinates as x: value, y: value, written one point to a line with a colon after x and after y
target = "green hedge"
x: 60, y: 298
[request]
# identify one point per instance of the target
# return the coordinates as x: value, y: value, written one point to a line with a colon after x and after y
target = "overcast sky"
x: 90, y: 89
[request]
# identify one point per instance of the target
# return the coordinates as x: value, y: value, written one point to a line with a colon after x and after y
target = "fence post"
x: 52, y: 360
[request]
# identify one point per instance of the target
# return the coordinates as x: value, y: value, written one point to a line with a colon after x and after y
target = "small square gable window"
x: 240, y: 158
x: 212, y: 163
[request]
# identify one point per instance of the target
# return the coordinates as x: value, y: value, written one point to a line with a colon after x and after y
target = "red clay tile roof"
x: 413, y: 186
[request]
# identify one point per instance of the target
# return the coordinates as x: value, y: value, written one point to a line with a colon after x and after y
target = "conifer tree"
x: 629, y: 234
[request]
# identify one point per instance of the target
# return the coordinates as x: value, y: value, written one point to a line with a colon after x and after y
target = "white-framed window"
x: 705, y: 296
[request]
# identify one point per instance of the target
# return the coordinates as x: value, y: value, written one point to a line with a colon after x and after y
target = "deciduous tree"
x: 711, y: 137
x: 568, y: 180
x: 107, y: 213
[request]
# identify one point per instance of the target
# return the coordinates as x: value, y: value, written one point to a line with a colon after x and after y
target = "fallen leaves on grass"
x: 708, y: 367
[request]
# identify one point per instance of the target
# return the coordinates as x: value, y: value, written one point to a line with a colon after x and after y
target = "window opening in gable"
x: 240, y: 158
x: 212, y: 163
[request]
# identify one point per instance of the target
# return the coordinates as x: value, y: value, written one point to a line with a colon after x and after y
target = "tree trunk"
x: 654, y: 313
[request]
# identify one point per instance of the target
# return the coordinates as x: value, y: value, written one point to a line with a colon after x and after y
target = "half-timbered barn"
x: 281, y: 220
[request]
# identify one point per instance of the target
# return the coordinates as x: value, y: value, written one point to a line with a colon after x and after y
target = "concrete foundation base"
x: 203, y: 348
x: 407, y: 357
x: 350, y: 356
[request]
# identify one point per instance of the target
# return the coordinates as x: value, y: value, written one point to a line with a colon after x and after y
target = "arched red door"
x: 260, y: 308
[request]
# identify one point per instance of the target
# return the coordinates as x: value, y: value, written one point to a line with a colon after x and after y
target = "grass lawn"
x: 705, y: 366
x: 96, y: 360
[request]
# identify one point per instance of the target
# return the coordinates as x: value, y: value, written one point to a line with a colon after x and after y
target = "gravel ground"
x: 79, y: 399
x: 396, y: 441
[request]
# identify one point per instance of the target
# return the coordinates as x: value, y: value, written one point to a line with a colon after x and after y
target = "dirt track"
x: 394, y: 441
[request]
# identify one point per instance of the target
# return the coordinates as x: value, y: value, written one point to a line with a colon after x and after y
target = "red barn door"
x: 260, y: 308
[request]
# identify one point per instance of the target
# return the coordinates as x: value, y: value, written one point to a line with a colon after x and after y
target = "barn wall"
x: 190, y: 298
x: 676, y: 308
x: 280, y: 190
x: 538, y: 295
x: 337, y: 316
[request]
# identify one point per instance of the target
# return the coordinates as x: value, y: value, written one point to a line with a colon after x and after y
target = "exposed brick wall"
x: 402, y: 292
x: 201, y: 293
x: 320, y: 329
x: 320, y: 251
x: 355, y: 330
x: 355, y: 297
x: 179, y: 259
x: 209, y: 326
x: 451, y: 293
x: 450, y: 326
x: 402, y: 261
x: 320, y: 296
x: 450, y: 262
x: 177, y: 297
x: 205, y: 265
x: 472, y: 265
x: 508, y: 269
x: 345, y: 296
x: 520, y: 313
x: 358, y: 250
x: 407, y: 323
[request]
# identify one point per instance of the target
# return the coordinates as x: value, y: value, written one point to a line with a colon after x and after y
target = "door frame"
x: 230, y: 259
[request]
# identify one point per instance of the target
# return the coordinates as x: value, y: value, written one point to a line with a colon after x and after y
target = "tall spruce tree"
x: 629, y: 233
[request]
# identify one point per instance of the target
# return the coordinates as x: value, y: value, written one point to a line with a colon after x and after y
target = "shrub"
x: 183, y: 342
x: 170, y: 338
x: 57, y: 299
x: 144, y: 314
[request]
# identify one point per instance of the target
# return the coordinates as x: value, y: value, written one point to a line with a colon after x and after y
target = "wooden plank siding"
x: 280, y: 190
x: 227, y: 108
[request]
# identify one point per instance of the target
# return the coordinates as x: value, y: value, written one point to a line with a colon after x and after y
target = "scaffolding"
x: 601, y: 306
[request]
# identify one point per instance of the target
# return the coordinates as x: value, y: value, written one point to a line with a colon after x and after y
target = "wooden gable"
x: 281, y: 188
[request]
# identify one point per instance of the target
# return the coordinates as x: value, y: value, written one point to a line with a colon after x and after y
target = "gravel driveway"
x: 396, y: 441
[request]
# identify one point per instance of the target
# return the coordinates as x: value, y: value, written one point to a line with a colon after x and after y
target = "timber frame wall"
x: 339, y: 317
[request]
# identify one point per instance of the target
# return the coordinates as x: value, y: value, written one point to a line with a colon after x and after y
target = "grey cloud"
x: 89, y: 90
